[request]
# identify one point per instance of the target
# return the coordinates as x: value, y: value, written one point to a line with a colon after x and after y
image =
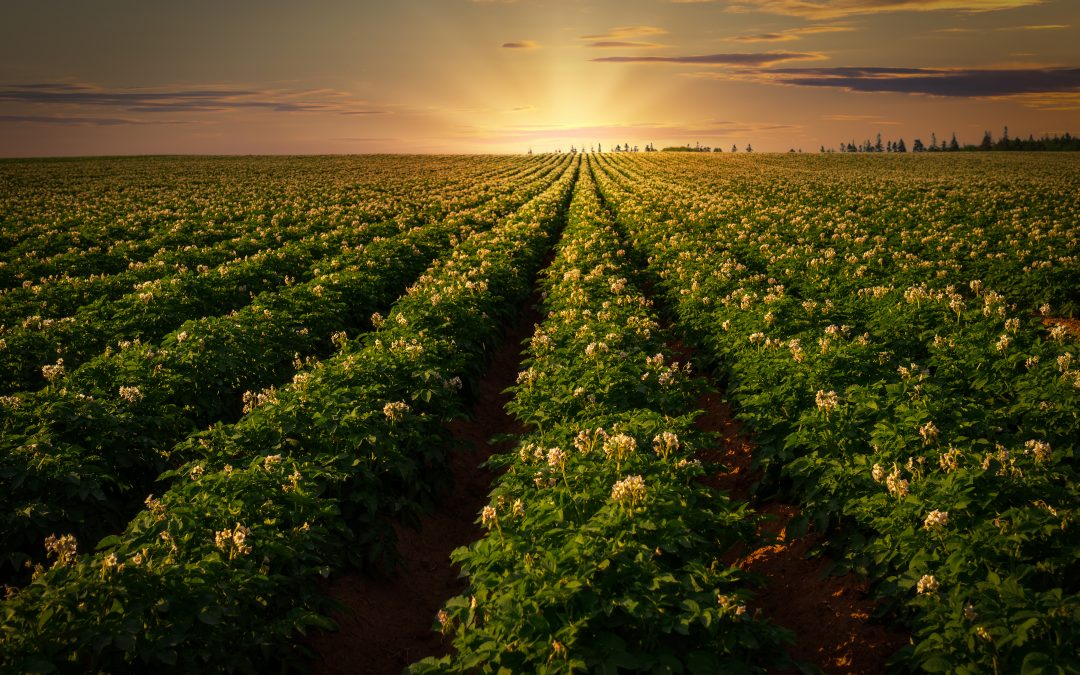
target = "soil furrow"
x: 829, y: 615
x: 387, y: 622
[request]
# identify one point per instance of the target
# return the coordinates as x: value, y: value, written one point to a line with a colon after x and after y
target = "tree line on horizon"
x: 704, y: 148
x: 1065, y: 142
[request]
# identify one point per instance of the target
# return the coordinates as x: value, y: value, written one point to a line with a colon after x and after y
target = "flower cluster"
x: 936, y: 520
x: 896, y: 484
x: 619, y: 447
x: 629, y: 491
x: 665, y: 444
x: 826, y: 401
x: 395, y: 411
x: 233, y: 541
x: 64, y: 547
x: 927, y: 585
x: 52, y: 372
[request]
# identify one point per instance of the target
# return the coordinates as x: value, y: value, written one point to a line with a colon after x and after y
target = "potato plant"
x: 603, y: 548
x: 81, y: 454
x: 926, y: 421
x: 221, y: 571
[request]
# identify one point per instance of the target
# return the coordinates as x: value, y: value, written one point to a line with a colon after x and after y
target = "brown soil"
x: 388, y: 623
x: 829, y: 615
x: 1072, y: 326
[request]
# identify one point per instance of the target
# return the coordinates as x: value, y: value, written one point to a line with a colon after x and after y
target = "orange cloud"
x: 792, y: 34
x: 521, y: 44
x: 609, y: 44
x: 1048, y: 26
x: 831, y: 9
x: 1061, y: 101
x: 735, y: 59
x: 626, y: 32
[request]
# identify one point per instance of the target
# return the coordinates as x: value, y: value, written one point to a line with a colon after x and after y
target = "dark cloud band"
x: 69, y: 121
x: 182, y: 100
x: 964, y: 83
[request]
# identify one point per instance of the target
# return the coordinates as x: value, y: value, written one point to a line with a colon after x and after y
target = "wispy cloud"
x: 1045, y: 26
x: 831, y: 9
x: 521, y: 44
x: 183, y: 100
x: 1049, y: 26
x: 1061, y: 101
x: 736, y: 59
x: 765, y: 37
x: 72, y: 121
x: 876, y: 119
x: 792, y: 33
x: 626, y: 44
x: 626, y: 32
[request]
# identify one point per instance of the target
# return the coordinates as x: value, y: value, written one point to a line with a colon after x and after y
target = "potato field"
x: 660, y: 412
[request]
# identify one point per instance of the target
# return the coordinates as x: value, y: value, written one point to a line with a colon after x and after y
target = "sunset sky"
x: 276, y: 77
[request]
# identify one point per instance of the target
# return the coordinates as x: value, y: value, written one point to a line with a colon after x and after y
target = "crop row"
x: 96, y: 217
x: 82, y: 453
x: 855, y: 222
x: 61, y: 295
x: 221, y: 572
x: 426, y: 199
x: 929, y: 428
x: 155, y: 307
x: 603, y: 546
x: 33, y: 352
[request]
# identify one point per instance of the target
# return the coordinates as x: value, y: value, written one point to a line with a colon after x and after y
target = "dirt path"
x: 388, y: 622
x: 829, y: 615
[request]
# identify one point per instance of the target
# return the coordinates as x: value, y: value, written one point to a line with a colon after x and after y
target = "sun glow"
x: 465, y: 76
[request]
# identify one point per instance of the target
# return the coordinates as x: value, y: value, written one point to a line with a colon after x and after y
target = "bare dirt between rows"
x: 829, y: 615
x: 1071, y: 325
x: 388, y: 623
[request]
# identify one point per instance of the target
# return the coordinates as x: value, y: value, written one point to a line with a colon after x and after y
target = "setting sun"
x: 473, y: 76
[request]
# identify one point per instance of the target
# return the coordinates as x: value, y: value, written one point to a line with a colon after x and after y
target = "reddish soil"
x: 388, y: 623
x: 1071, y: 325
x: 829, y: 615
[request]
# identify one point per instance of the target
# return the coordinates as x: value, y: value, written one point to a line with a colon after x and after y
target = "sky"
x: 120, y: 77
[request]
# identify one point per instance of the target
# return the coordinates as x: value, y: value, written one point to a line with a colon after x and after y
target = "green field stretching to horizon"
x: 671, y: 412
